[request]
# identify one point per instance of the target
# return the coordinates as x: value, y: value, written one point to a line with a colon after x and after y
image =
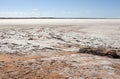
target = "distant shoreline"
x: 49, y: 18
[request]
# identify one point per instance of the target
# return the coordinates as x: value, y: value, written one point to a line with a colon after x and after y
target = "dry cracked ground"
x: 59, y: 48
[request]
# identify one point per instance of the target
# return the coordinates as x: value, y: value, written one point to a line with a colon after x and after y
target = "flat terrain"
x: 49, y: 48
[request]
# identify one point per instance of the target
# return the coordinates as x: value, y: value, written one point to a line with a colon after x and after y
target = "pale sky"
x: 60, y: 8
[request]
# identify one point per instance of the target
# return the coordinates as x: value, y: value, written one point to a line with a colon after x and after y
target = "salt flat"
x: 49, y: 48
x: 89, y: 32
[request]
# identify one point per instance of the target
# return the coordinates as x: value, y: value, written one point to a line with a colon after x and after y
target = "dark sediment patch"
x: 112, y: 53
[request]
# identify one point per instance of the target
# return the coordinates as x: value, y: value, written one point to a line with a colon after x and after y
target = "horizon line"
x: 55, y: 18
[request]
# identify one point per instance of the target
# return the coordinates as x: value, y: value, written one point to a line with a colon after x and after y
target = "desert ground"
x: 59, y: 48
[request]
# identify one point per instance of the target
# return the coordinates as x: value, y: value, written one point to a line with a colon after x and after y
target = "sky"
x: 60, y: 8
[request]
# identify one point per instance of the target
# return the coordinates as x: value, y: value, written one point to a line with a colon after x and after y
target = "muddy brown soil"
x: 61, y: 65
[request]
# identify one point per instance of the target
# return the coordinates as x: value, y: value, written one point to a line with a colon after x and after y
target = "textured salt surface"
x: 95, y: 33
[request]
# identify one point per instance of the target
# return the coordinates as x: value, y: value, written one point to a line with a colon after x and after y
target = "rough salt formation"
x: 23, y: 40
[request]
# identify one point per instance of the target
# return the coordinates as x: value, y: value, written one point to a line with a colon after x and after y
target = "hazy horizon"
x: 60, y: 8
